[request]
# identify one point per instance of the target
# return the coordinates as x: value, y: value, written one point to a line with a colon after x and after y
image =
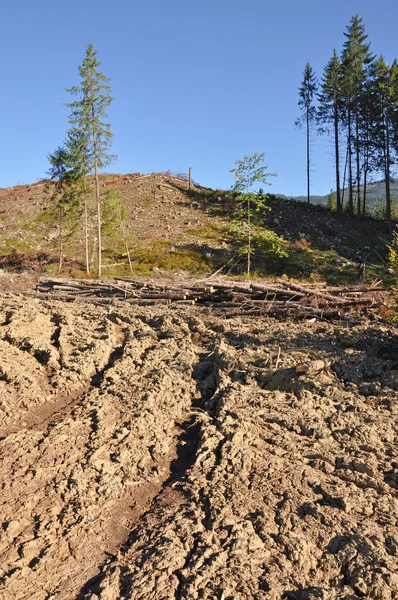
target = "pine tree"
x: 330, y: 111
x: 356, y: 61
x: 89, y: 131
x: 307, y: 92
x: 385, y: 114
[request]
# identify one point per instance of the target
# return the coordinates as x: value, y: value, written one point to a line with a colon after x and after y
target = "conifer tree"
x: 330, y: 110
x: 89, y: 132
x: 66, y: 194
x: 356, y: 61
x: 307, y: 92
x: 385, y: 113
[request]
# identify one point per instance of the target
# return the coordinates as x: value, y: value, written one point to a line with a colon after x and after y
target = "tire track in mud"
x: 252, y: 517
x: 95, y: 460
x: 182, y: 458
x: 175, y: 488
x: 61, y: 405
x: 57, y: 353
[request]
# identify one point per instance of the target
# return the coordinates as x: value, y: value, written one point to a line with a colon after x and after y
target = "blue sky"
x: 197, y: 83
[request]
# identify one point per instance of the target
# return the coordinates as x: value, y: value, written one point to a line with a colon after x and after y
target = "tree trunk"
x: 358, y: 165
x: 387, y: 174
x: 350, y: 190
x: 365, y: 167
x: 125, y: 243
x: 337, y: 160
x: 344, y: 177
x: 249, y: 236
x: 61, y: 247
x: 308, y: 158
x: 98, y: 201
x: 86, y: 235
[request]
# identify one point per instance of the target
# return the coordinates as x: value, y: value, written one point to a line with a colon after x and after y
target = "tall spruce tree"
x: 89, y: 130
x: 330, y: 112
x: 356, y: 61
x: 385, y: 120
x: 307, y: 91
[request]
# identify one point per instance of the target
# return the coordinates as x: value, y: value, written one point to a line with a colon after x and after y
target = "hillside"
x: 375, y: 196
x: 184, y: 450
x: 172, y: 228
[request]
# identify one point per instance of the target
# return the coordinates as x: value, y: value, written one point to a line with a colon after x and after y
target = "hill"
x: 179, y: 451
x: 173, y: 228
x: 375, y: 196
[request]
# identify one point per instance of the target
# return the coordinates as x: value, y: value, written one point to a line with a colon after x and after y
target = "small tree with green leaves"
x: 332, y: 201
x: 89, y: 128
x: 67, y: 193
x: 248, y: 217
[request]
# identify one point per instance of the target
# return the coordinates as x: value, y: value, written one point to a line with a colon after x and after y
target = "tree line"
x: 356, y: 103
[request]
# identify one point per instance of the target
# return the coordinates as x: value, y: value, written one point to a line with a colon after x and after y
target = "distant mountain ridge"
x: 375, y: 192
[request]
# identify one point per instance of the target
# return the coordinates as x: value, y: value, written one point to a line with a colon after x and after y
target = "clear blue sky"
x: 196, y: 83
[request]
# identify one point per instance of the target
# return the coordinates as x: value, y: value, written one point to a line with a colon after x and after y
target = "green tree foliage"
x: 248, y: 219
x: 393, y: 252
x: 356, y: 62
x: 359, y: 98
x: 66, y: 196
x: 90, y: 135
x: 330, y: 112
x: 332, y: 201
x: 384, y: 90
x: 307, y: 91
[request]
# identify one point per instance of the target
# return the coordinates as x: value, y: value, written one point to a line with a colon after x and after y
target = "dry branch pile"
x: 280, y: 298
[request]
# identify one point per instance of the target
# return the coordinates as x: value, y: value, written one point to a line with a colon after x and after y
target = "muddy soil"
x: 169, y: 453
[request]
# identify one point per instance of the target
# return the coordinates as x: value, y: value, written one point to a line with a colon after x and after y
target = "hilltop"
x: 172, y: 228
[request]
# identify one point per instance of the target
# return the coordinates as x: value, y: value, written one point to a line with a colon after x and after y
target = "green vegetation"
x: 307, y: 91
x: 142, y: 224
x: 247, y: 227
x: 358, y: 106
x: 65, y: 208
x: 87, y: 148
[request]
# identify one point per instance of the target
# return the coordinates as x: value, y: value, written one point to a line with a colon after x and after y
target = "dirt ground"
x: 168, y: 453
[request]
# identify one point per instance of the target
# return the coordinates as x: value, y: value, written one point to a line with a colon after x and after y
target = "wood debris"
x: 232, y: 298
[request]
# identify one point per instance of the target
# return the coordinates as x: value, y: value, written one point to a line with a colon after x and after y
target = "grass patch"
x: 164, y: 256
x: 307, y: 264
x: 210, y: 231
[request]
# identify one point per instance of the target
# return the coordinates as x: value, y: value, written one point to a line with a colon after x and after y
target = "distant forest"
x: 356, y: 103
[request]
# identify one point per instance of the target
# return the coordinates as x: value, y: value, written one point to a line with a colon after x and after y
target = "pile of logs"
x: 280, y: 298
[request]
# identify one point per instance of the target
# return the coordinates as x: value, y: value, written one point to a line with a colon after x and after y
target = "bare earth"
x: 168, y: 453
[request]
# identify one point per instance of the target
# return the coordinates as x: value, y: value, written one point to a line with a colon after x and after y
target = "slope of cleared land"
x: 164, y: 452
x: 170, y: 227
